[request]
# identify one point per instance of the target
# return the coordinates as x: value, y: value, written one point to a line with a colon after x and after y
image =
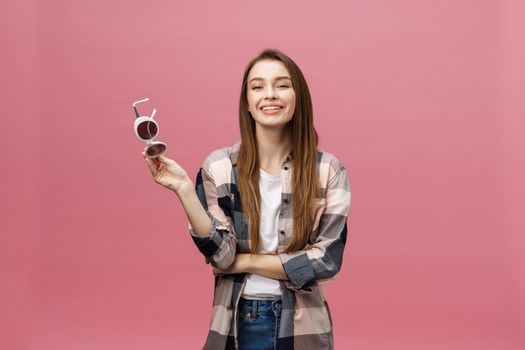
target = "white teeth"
x: 271, y: 108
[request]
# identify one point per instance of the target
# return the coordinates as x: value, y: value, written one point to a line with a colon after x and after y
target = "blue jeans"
x: 258, y: 324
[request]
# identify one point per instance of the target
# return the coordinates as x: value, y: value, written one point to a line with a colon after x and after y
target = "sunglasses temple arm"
x: 136, y: 112
x: 137, y: 102
x: 153, y: 113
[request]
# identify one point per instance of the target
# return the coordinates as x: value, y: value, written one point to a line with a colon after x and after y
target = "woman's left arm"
x: 319, y: 265
x: 267, y: 265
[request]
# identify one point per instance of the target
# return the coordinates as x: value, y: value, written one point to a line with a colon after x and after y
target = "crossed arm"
x: 301, y: 269
x: 267, y: 265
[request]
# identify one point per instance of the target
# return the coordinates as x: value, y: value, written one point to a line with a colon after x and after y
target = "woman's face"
x: 271, y: 96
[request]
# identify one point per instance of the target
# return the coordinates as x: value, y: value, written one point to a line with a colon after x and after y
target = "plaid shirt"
x: 306, y: 322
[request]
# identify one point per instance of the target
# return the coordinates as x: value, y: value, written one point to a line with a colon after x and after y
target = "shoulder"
x: 218, y: 163
x: 329, y: 166
x: 218, y: 155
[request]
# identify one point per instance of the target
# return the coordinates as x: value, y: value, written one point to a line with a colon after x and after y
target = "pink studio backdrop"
x: 423, y: 101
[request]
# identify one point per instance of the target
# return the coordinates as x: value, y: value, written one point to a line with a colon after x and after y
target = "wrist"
x: 185, y: 188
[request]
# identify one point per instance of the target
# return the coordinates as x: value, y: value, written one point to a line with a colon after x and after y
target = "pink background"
x: 423, y: 101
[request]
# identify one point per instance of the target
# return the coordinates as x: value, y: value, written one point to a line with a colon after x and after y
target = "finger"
x: 156, y: 161
x: 165, y: 159
x: 151, y: 165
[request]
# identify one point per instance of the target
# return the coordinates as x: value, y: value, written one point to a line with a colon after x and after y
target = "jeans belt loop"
x: 255, y: 304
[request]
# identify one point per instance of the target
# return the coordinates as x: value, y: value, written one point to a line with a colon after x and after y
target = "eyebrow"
x: 277, y: 78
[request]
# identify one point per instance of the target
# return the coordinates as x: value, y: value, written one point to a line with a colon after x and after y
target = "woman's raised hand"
x: 168, y: 173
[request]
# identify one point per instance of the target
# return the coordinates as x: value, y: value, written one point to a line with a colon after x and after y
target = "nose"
x: 270, y: 93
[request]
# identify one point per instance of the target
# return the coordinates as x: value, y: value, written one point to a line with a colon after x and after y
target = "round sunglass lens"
x: 156, y: 150
x: 147, y: 130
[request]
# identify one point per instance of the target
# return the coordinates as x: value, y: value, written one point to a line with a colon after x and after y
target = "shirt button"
x: 285, y: 201
x: 285, y: 168
x: 282, y: 232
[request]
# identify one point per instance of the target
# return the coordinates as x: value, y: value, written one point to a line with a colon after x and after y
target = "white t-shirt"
x: 270, y: 188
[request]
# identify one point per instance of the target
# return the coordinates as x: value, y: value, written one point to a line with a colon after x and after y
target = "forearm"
x: 197, y: 216
x: 267, y: 265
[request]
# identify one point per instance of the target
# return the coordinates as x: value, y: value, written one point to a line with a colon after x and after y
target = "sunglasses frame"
x: 149, y: 119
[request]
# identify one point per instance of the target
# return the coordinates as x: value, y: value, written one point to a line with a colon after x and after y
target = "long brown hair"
x: 305, y: 181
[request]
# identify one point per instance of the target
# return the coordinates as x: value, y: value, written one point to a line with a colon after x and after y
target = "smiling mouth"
x: 271, y: 108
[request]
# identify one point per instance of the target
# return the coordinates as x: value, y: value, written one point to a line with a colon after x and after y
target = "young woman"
x: 269, y: 213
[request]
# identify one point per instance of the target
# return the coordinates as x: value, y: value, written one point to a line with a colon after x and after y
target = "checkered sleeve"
x: 320, y: 264
x: 220, y: 246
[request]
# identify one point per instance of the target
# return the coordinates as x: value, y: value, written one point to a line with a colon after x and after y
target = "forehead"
x: 268, y: 69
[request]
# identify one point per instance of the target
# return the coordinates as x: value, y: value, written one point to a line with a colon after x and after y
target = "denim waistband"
x: 260, y: 307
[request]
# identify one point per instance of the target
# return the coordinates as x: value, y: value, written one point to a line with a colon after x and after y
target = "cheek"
x: 252, y: 101
x: 290, y: 97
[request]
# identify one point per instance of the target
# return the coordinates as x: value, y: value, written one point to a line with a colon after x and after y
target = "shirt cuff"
x: 299, y: 270
x: 210, y: 244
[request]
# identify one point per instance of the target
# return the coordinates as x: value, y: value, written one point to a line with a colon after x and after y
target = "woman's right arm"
x: 197, y: 216
x: 214, y: 238
x: 168, y: 173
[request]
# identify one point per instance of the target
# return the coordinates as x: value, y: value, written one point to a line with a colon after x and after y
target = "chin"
x: 272, y: 125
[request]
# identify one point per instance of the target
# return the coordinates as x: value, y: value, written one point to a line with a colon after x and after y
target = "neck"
x: 272, y: 146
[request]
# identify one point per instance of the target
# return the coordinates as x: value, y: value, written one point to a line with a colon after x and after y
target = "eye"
x: 285, y: 86
x: 256, y: 87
